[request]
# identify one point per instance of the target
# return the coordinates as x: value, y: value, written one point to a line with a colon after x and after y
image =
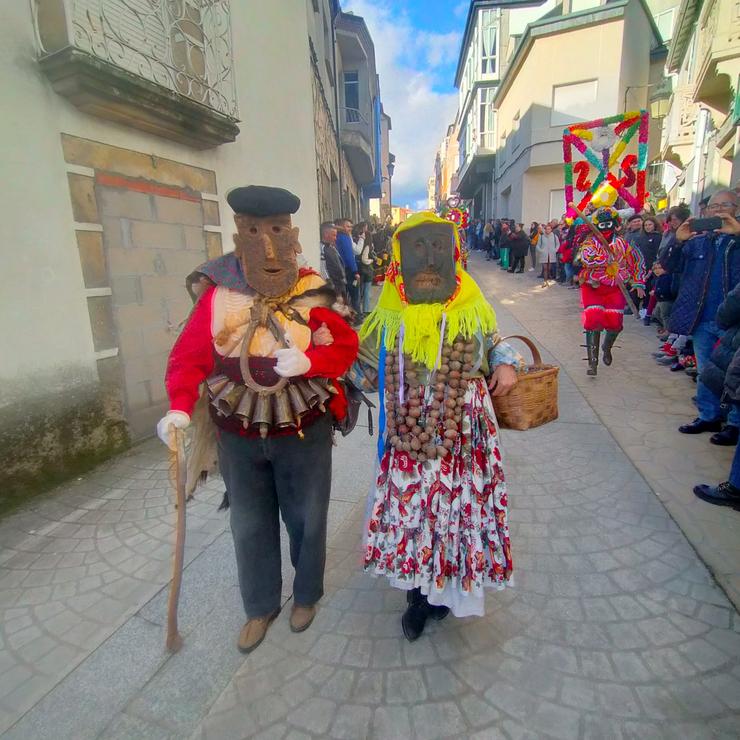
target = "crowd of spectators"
x: 353, y: 258
x: 692, y: 299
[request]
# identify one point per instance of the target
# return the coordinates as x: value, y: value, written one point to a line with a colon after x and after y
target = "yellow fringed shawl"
x: 466, y: 313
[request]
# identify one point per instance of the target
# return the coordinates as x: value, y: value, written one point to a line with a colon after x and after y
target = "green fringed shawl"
x: 467, y: 314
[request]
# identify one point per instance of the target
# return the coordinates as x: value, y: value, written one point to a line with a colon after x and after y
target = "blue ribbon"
x: 381, y: 396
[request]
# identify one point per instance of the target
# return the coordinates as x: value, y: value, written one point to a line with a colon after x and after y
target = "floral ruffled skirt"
x: 442, y: 525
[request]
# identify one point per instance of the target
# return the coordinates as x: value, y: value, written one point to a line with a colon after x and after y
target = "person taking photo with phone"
x: 710, y: 269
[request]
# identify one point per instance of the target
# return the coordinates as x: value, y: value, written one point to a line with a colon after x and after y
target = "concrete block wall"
x: 142, y: 224
x: 152, y: 242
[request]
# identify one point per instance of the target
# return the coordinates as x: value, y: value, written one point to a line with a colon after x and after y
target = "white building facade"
x: 126, y: 125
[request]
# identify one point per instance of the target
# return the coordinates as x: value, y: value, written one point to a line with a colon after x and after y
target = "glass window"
x: 557, y: 203
x: 463, y: 139
x: 488, y: 43
x: 352, y: 96
x: 486, y: 118
x: 576, y: 102
x: 664, y: 21
x: 577, y: 5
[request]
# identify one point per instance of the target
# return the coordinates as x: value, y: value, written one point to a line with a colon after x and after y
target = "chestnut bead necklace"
x: 427, y: 424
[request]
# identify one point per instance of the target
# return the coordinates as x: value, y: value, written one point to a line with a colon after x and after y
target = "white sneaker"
x: 531, y: 269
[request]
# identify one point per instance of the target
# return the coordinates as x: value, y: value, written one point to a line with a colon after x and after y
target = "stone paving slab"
x: 77, y: 563
x: 643, y: 405
x: 105, y: 686
x: 614, y: 627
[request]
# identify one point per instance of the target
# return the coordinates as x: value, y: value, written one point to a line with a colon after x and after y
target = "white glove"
x: 177, y: 418
x: 291, y: 362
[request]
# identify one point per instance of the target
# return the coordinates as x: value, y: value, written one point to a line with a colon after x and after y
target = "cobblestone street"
x: 614, y: 629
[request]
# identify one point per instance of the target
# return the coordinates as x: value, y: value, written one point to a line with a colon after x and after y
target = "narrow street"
x: 614, y: 629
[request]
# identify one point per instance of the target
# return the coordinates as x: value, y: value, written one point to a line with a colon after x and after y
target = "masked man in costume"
x: 602, y: 270
x: 271, y: 394
x: 437, y: 525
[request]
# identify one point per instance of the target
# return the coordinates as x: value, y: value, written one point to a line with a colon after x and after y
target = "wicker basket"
x: 534, y: 399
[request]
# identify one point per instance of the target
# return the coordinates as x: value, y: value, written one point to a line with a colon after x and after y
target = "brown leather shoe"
x: 301, y: 617
x: 254, y: 631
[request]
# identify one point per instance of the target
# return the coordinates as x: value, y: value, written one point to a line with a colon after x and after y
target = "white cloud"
x: 440, y: 48
x: 406, y: 59
x: 461, y: 9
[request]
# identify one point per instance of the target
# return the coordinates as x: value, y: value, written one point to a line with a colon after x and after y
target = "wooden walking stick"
x: 608, y: 247
x: 180, y: 470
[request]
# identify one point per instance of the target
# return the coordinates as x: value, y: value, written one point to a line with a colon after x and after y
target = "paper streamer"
x: 401, y: 369
x: 381, y: 396
x: 579, y: 157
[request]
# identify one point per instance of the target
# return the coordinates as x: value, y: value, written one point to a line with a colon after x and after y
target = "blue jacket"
x: 346, y: 252
x: 697, y: 258
x: 715, y: 372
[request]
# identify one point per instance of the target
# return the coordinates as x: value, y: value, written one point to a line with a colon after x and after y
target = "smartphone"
x: 706, y: 224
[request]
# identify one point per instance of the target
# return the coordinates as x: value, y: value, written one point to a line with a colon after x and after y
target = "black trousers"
x: 267, y: 478
x: 517, y: 264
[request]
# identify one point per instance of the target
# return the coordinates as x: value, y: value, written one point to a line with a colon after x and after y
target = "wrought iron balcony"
x: 357, y: 140
x: 172, y: 59
x: 353, y: 115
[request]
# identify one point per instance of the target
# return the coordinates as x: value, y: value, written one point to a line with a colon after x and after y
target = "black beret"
x: 261, y: 201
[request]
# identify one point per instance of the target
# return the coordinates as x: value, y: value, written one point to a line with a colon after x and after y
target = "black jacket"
x: 334, y: 269
x: 648, y: 244
x: 519, y: 244
x: 717, y: 375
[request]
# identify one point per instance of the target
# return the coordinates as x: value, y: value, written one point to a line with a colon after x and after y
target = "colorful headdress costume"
x: 606, y: 219
x: 423, y: 326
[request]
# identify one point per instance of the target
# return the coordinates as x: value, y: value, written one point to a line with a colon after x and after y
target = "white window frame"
x: 560, y: 199
x: 558, y: 118
x: 488, y: 36
x: 662, y: 14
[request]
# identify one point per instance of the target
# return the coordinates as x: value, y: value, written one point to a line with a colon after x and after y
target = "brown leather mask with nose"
x: 268, y: 248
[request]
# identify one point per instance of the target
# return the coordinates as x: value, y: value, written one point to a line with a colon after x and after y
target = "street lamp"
x: 390, y: 167
x: 659, y: 101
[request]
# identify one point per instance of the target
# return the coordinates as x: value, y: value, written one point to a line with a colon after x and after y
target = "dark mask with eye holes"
x: 428, y: 262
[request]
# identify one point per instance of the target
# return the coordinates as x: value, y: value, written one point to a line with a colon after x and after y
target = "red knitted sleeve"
x: 191, y: 359
x: 331, y: 360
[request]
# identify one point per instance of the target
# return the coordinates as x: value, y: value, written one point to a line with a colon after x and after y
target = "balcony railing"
x: 681, y: 120
x: 354, y: 115
x: 718, y: 47
x: 182, y: 45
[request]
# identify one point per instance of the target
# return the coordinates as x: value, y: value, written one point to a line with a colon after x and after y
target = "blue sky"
x: 417, y: 43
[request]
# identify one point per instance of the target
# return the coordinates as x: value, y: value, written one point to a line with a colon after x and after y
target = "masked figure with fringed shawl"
x: 437, y: 522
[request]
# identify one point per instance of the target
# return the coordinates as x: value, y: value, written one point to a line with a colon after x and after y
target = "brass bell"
x: 228, y: 403
x: 216, y: 384
x: 327, y: 385
x: 297, y: 402
x: 308, y: 393
x: 263, y: 413
x: 246, y: 407
x: 322, y: 393
x: 282, y: 412
x: 223, y: 393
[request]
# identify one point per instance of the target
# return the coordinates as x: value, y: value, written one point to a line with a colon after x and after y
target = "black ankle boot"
x: 437, y: 613
x: 609, y: 339
x: 415, y: 617
x: 592, y: 347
